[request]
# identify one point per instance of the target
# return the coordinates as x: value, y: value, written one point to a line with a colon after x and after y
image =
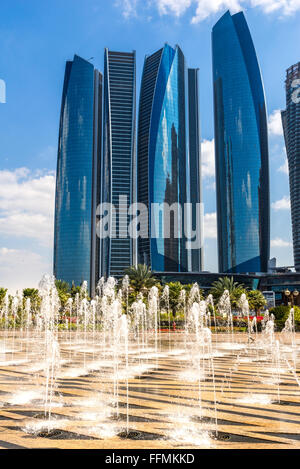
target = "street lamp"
x: 287, y: 294
x: 291, y: 295
x: 295, y: 294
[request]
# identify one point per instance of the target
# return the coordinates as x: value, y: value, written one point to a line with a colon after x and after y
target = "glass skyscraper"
x: 76, y: 247
x: 291, y: 127
x: 241, y: 149
x: 195, y: 163
x: 119, y: 166
x: 162, y: 158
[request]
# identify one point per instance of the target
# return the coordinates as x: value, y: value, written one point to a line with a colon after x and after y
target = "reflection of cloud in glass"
x: 296, y: 93
x: 165, y: 142
x: 247, y: 191
x: 2, y: 91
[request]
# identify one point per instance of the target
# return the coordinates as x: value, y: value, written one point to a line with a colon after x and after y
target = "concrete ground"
x: 252, y: 393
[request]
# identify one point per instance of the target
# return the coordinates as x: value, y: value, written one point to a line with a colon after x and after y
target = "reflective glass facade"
x: 194, y: 161
x: 76, y: 248
x: 119, y: 165
x: 162, y: 156
x: 291, y: 126
x: 241, y: 149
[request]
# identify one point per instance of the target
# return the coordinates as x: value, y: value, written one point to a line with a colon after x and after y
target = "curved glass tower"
x: 76, y: 248
x: 162, y: 158
x: 241, y: 149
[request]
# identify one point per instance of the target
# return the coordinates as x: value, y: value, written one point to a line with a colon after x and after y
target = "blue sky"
x: 37, y: 37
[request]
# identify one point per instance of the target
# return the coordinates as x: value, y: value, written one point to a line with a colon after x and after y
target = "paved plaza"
x: 243, y: 400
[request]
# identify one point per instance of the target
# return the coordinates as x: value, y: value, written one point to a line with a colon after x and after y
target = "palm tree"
x: 35, y: 299
x: 63, y: 290
x: 62, y: 286
x: 256, y: 300
x: 31, y: 293
x: 140, y: 277
x: 3, y: 292
x: 227, y: 283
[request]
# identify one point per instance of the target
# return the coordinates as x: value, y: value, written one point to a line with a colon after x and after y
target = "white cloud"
x: 282, y: 204
x: 280, y: 243
x: 21, y: 268
x: 284, y: 168
x: 205, y: 8
x: 285, y: 7
x: 27, y: 204
x: 175, y: 7
x: 275, y: 124
x: 210, y: 225
x: 129, y: 7
x: 208, y: 158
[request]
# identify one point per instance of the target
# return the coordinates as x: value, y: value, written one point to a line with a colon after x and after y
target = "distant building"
x: 277, y: 282
x: 76, y: 247
x: 119, y: 166
x: 291, y: 127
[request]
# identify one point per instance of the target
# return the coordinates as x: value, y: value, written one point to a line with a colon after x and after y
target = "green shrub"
x: 281, y: 313
x: 179, y: 316
x: 164, y: 317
